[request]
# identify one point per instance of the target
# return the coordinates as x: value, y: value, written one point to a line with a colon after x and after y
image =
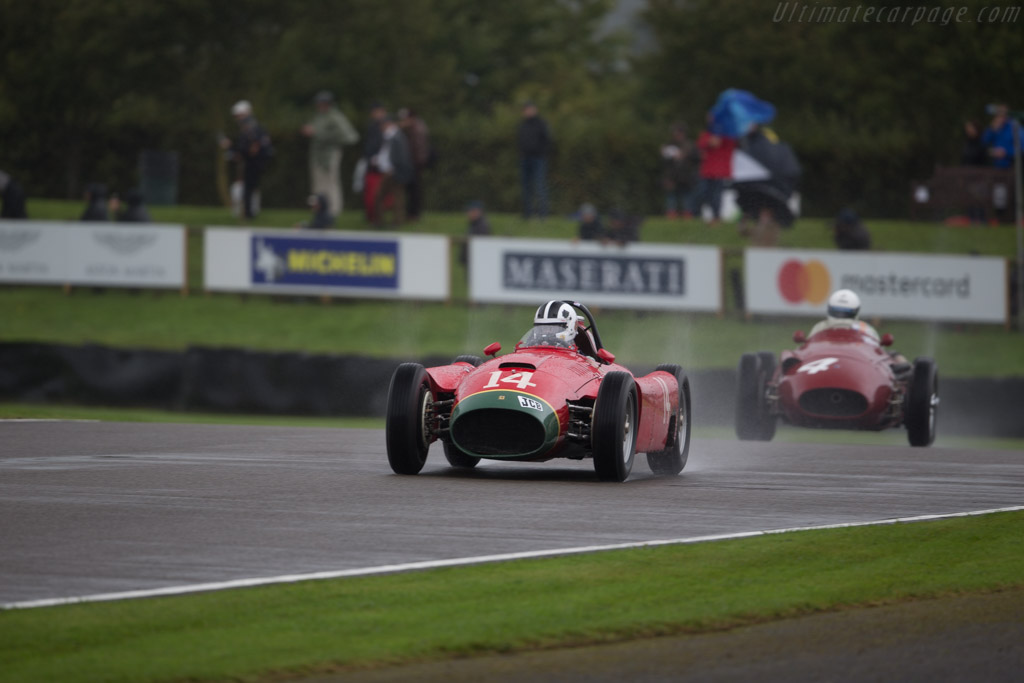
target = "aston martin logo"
x: 13, y: 240
x: 123, y: 244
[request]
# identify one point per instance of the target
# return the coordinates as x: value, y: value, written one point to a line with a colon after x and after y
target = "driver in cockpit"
x: 554, y: 324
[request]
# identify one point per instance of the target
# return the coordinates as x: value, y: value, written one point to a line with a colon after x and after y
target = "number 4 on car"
x: 841, y: 377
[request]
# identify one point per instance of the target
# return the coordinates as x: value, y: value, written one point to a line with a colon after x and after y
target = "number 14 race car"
x: 558, y: 395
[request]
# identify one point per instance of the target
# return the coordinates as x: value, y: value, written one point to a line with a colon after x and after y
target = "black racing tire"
x: 614, y: 431
x: 753, y: 420
x: 768, y: 362
x: 406, y: 430
x: 671, y: 461
x: 456, y: 457
x: 475, y: 361
x: 922, y: 403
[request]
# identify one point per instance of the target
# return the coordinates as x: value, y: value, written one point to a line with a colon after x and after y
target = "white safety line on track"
x: 41, y: 419
x: 463, y: 561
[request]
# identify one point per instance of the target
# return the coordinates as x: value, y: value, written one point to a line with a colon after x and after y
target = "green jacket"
x: 331, y: 130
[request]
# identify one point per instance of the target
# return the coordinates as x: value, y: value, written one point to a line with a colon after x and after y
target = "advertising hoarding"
x: 376, y: 265
x: 890, y: 285
x: 97, y: 254
x: 637, y: 275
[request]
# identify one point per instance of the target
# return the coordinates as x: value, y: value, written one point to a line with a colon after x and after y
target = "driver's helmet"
x: 554, y: 324
x: 844, y: 304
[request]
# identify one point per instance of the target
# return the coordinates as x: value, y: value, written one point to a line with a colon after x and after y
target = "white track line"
x: 463, y: 561
x: 41, y: 419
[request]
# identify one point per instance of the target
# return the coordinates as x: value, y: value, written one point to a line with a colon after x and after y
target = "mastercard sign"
x: 890, y: 285
x: 800, y: 281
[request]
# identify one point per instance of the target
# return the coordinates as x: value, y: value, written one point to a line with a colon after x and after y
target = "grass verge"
x: 314, y: 627
x: 405, y: 330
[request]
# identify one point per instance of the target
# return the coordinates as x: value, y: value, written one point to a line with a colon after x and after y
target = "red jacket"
x: 717, y: 155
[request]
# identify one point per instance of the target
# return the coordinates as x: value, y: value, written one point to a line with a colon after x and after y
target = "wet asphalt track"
x: 90, y: 508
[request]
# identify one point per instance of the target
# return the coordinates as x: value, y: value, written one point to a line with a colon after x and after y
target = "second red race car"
x: 840, y: 377
x: 560, y: 394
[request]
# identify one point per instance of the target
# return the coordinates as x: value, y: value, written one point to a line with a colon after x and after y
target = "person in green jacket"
x: 328, y: 132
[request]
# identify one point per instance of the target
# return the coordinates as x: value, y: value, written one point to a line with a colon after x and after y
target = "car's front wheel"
x: 407, y: 429
x: 613, y: 434
x: 754, y: 422
x: 922, y: 403
x: 670, y: 461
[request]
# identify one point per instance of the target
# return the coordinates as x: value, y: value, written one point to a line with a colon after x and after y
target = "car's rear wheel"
x: 670, y: 461
x: 922, y: 403
x: 475, y: 361
x: 456, y: 457
x: 754, y: 422
x: 410, y: 406
x: 613, y: 434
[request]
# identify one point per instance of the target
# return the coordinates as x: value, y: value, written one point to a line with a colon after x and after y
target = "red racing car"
x: 839, y: 378
x: 558, y: 395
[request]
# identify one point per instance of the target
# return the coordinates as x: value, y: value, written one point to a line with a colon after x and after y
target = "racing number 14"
x: 520, y: 379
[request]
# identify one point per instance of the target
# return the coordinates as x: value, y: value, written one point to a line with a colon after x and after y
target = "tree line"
x: 868, y: 107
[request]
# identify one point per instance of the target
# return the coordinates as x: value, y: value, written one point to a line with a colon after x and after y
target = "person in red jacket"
x: 715, y: 170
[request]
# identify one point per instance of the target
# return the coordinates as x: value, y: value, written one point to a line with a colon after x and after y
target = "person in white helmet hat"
x: 554, y: 324
x: 844, y: 313
x: 252, y: 150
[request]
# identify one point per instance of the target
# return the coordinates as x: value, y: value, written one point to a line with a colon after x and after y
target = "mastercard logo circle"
x: 799, y: 281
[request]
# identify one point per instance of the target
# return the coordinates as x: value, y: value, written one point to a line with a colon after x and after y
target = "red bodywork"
x: 839, y: 378
x: 565, y: 379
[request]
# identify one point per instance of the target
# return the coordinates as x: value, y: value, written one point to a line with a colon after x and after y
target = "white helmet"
x: 558, y: 313
x: 241, y: 108
x: 843, y: 305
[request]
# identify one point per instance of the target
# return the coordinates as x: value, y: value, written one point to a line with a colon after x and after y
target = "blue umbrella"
x: 737, y: 111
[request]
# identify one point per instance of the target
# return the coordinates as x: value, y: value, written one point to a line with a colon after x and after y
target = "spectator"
x: 590, y: 227
x: 622, y: 227
x: 535, y: 143
x: 251, y: 150
x: 328, y: 132
x: 372, y: 141
x: 478, y: 225
x: 95, y: 203
x: 131, y: 210
x: 394, y: 163
x: 716, y: 162
x: 12, y: 196
x: 974, y: 152
x: 850, y: 232
x: 998, y: 137
x: 322, y: 218
x: 765, y: 203
x: 681, y: 161
x: 418, y: 135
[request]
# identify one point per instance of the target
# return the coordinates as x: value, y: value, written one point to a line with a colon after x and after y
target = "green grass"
x: 330, y: 626
x: 405, y: 330
x: 811, y: 233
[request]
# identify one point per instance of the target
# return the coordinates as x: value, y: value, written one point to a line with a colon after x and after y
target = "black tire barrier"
x: 227, y: 380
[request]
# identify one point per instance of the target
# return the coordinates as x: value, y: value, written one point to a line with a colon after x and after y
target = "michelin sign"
x: 324, y: 262
x: 342, y: 264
